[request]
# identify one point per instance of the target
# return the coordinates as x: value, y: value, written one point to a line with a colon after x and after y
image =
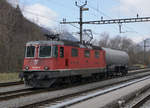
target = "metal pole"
x: 81, y: 24
x: 144, y: 51
x: 120, y: 25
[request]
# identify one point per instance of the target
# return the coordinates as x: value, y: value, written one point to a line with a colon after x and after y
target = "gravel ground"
x: 53, y: 94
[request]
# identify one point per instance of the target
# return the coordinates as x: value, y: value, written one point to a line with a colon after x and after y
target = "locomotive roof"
x: 67, y: 43
x: 44, y: 43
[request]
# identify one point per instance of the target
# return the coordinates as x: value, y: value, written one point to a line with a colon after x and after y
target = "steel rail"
x: 22, y: 93
x: 11, y: 83
x: 11, y: 92
x: 141, y: 102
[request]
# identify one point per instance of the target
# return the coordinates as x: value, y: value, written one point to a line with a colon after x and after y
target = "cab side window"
x: 61, y: 52
x: 74, y: 52
x: 55, y: 51
x: 97, y: 54
x: 86, y: 53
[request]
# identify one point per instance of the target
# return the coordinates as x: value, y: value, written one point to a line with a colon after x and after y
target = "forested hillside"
x: 15, y: 31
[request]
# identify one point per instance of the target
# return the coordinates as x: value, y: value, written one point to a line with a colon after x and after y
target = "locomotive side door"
x: 61, y: 57
x: 63, y: 61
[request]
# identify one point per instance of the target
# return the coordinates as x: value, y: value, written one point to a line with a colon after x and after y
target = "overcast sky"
x: 49, y: 13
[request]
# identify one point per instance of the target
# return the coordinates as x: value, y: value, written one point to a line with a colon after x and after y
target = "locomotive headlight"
x: 27, y: 67
x: 46, y: 68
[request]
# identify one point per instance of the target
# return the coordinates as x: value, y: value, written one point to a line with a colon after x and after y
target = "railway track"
x: 11, y: 83
x: 15, y: 94
x: 6, y: 96
x: 29, y: 91
x: 63, y: 101
x: 23, y: 92
x: 74, y: 100
x: 71, y: 96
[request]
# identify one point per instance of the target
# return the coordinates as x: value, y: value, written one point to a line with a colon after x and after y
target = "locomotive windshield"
x: 30, y: 51
x: 45, y: 51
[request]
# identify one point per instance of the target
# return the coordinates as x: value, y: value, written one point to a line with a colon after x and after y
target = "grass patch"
x: 9, y: 77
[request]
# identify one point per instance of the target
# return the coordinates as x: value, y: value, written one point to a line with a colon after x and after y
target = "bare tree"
x: 115, y: 42
x: 134, y: 50
x: 104, y: 40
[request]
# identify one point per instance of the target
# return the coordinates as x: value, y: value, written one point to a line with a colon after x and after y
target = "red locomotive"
x: 48, y: 62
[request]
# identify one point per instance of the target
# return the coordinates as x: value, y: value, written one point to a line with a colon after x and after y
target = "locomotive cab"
x: 37, y: 56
